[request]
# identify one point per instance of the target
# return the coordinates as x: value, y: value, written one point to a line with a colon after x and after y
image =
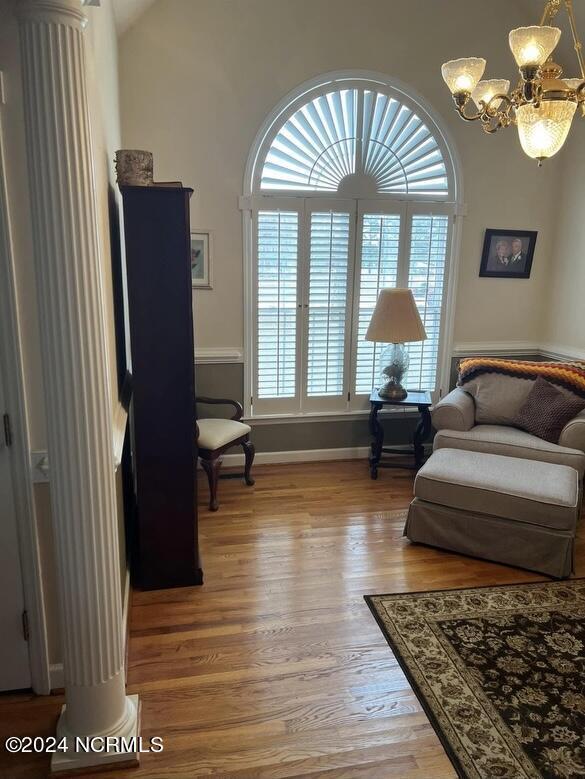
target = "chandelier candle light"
x: 395, y: 320
x: 543, y: 103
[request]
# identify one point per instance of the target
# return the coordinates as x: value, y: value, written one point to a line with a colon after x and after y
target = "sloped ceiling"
x: 126, y: 12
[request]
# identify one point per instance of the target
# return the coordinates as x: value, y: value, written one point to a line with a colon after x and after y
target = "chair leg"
x: 211, y: 468
x: 249, y: 452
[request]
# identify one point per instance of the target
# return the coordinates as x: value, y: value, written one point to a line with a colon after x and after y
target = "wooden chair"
x: 215, y: 436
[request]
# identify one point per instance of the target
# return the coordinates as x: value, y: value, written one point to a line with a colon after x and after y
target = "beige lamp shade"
x: 396, y: 319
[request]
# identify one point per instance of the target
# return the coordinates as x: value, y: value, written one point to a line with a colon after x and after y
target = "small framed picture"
x: 201, y: 244
x: 507, y: 254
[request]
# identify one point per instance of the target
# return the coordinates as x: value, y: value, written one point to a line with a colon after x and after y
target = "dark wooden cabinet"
x: 160, y: 318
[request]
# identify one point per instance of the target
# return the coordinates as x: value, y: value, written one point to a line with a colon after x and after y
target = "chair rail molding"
x: 562, y: 352
x: 466, y: 349
x: 512, y: 348
x: 208, y: 355
x: 75, y: 380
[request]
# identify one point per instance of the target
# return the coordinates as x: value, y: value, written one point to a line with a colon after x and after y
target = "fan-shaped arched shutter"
x: 355, y: 132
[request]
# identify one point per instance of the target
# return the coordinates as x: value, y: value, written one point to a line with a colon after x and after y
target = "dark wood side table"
x: 422, y: 401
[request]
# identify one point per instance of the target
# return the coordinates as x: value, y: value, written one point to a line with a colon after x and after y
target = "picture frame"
x: 201, y: 256
x: 507, y: 254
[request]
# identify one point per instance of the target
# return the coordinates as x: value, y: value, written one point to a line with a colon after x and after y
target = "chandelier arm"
x: 576, y: 42
x: 550, y: 11
x: 491, y: 123
x: 491, y: 128
x: 461, y: 111
x: 496, y: 108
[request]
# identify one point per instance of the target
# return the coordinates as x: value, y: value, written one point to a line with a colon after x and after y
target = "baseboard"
x: 300, y: 456
x: 56, y: 676
x: 306, y: 455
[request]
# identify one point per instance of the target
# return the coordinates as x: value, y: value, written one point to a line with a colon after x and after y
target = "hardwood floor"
x: 275, y: 669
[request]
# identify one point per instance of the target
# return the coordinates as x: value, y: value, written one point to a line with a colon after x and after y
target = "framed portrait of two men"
x: 507, y: 254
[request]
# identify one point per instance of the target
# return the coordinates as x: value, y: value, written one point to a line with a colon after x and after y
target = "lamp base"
x: 394, y: 363
x: 392, y: 391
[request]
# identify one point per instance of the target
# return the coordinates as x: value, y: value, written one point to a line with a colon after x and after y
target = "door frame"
x: 29, y: 545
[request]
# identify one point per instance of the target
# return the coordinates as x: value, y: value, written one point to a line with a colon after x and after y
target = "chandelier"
x: 543, y: 103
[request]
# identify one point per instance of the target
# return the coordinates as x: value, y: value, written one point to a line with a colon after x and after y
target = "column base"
x: 121, y: 753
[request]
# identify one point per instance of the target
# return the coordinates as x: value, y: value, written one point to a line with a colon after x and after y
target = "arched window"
x: 351, y: 187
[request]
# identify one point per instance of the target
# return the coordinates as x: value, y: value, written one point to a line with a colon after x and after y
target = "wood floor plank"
x: 275, y: 668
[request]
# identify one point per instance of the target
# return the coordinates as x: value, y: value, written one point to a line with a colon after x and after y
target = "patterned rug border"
x: 402, y: 663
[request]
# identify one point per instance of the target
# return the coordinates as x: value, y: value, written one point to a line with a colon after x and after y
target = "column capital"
x: 66, y: 12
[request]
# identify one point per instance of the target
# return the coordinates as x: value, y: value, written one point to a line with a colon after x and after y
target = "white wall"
x: 198, y: 77
x: 565, y: 290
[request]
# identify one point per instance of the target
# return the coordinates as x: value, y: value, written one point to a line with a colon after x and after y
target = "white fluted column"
x: 79, y: 426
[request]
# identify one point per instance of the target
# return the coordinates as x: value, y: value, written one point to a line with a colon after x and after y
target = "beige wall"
x: 198, y: 77
x: 565, y: 290
x: 103, y: 96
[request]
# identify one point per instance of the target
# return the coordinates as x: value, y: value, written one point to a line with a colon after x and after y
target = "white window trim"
x: 251, y: 200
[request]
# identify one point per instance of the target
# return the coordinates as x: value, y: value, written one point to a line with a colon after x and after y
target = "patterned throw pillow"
x: 547, y: 410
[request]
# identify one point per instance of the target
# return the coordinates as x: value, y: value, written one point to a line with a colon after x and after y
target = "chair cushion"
x: 537, y: 493
x: 508, y: 441
x: 215, y: 433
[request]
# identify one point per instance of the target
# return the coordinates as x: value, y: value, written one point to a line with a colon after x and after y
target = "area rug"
x: 499, y: 671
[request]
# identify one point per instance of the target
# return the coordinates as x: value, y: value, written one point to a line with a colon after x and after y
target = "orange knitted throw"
x: 570, y: 375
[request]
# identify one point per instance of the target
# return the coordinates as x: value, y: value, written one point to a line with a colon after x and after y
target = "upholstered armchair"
x: 483, y: 422
x: 215, y: 436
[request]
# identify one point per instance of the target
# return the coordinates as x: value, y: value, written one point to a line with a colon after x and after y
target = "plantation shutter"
x: 313, y: 307
x: 276, y: 311
x: 327, y: 315
x: 428, y: 244
x: 355, y: 131
x: 378, y: 252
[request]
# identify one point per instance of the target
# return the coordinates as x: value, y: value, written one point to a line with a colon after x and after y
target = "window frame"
x: 254, y: 199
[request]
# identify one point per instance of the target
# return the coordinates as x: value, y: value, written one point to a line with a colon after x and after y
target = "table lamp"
x: 395, y: 320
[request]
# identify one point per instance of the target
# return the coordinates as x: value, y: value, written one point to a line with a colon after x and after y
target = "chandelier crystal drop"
x: 543, y: 103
